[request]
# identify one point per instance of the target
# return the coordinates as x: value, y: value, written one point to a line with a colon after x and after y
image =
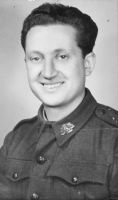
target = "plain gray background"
x: 16, y: 100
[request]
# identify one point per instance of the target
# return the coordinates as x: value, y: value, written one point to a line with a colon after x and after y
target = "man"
x: 70, y: 149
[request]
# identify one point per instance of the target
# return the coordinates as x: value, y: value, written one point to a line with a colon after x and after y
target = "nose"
x: 49, y: 70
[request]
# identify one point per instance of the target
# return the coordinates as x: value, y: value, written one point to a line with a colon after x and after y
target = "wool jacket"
x: 75, y: 158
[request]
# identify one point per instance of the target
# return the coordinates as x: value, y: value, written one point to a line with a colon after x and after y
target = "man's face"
x: 55, y: 66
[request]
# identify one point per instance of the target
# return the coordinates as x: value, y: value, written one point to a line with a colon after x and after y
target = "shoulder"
x: 107, y: 114
x: 20, y: 130
x: 26, y: 123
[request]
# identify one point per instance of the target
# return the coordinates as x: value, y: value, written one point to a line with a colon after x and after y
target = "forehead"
x: 51, y: 37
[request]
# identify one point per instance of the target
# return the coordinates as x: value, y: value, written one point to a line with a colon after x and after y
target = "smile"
x: 52, y: 86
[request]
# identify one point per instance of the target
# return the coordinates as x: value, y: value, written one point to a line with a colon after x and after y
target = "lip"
x: 52, y: 83
x: 52, y: 86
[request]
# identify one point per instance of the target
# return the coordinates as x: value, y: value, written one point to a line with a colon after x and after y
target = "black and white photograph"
x: 58, y: 100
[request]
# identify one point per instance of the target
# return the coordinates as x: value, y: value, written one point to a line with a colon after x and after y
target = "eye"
x: 36, y: 59
x: 63, y: 57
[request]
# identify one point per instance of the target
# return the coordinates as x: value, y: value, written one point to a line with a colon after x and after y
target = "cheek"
x: 79, y: 69
x: 32, y: 72
x: 76, y: 72
x: 78, y: 78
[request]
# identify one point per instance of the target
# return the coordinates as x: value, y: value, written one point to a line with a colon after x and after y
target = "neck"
x: 60, y: 112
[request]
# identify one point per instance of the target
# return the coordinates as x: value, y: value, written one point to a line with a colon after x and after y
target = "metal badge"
x: 67, y: 128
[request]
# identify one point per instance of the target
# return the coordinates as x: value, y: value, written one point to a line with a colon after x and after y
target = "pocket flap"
x: 17, y: 169
x: 80, y: 172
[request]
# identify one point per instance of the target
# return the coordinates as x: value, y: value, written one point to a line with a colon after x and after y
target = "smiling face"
x: 55, y: 66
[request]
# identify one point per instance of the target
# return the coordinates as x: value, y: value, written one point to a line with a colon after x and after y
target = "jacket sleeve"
x: 114, y: 175
x: 4, y: 186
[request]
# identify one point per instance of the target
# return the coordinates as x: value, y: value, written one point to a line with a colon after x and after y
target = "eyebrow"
x: 39, y: 52
x: 34, y: 52
x: 59, y: 50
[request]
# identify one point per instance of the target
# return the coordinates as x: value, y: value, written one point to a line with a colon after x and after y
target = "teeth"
x: 52, y: 86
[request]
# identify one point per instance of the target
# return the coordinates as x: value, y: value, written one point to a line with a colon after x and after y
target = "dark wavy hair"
x: 47, y: 14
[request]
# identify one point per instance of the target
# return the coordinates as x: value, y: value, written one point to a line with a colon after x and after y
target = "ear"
x: 89, y: 63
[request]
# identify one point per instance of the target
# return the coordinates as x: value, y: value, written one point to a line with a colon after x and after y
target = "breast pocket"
x: 17, y: 173
x: 81, y: 180
x: 17, y: 170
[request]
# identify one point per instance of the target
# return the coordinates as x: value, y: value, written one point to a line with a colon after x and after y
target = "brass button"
x: 102, y: 111
x: 109, y: 108
x: 113, y: 118
x: 79, y: 192
x: 35, y: 196
x: 15, y: 175
x: 41, y: 160
x: 75, y: 180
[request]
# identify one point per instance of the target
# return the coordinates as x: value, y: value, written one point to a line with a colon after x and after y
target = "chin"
x: 51, y: 104
x: 50, y: 100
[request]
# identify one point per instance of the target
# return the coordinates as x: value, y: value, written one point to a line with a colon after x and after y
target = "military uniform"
x: 73, y: 159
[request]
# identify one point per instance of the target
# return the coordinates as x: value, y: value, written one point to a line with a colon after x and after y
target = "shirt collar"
x: 67, y: 127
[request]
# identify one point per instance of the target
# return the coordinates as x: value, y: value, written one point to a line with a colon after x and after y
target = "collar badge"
x: 67, y: 128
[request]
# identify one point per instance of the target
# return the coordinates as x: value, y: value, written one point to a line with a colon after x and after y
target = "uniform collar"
x: 67, y: 127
